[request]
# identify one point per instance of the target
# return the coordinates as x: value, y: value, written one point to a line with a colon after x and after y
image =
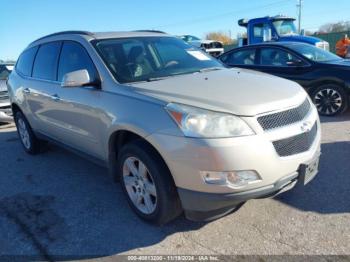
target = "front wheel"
x: 330, y: 100
x: 147, y: 183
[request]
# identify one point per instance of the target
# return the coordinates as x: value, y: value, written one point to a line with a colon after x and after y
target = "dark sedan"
x: 325, y: 76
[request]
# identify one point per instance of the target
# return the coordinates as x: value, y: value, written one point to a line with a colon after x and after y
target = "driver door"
x: 282, y: 63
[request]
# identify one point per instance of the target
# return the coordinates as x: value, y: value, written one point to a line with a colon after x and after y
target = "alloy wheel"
x: 328, y: 101
x: 139, y: 185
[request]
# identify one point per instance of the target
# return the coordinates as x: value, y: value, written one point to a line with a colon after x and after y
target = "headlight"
x: 196, y: 122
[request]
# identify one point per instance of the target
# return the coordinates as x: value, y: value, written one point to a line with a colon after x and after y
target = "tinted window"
x: 313, y: 53
x: 243, y: 57
x: 74, y: 57
x: 25, y: 62
x: 276, y: 57
x: 45, y: 65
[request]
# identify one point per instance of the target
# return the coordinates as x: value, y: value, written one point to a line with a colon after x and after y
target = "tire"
x: 330, y: 100
x: 28, y: 140
x: 151, y: 193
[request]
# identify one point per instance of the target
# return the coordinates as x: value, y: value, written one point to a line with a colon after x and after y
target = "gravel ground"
x: 58, y: 204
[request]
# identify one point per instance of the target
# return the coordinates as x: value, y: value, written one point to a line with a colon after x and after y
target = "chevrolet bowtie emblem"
x: 306, y: 127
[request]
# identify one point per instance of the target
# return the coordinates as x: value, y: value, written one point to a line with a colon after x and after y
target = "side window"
x: 74, y: 57
x: 258, y: 30
x: 244, y: 57
x: 45, y: 64
x: 276, y: 57
x: 25, y: 62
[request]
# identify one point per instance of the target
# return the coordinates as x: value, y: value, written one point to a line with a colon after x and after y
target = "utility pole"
x: 299, y: 6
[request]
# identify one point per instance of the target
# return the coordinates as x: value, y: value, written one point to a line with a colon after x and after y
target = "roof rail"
x: 151, y: 31
x: 66, y: 33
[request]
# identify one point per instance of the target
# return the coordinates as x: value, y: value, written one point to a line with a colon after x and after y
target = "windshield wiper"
x: 151, y: 79
x: 203, y: 70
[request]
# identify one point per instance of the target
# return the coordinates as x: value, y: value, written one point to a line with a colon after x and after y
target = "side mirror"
x: 77, y: 79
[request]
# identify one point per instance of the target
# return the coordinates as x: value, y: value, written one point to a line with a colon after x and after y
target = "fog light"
x: 235, y: 179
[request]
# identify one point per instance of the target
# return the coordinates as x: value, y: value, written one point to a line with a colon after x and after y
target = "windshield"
x: 5, y: 71
x: 285, y: 27
x: 151, y: 58
x: 313, y: 53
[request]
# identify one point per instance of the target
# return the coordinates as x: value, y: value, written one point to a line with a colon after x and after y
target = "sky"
x: 23, y: 21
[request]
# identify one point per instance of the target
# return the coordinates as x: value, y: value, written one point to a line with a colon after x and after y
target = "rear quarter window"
x: 25, y: 62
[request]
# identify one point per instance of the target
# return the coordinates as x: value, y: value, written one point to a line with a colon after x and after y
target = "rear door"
x: 76, y: 113
x: 43, y: 85
x: 244, y: 58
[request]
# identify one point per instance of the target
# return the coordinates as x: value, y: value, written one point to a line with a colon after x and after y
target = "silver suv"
x: 179, y: 130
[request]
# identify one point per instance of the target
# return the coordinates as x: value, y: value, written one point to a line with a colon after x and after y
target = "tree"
x: 335, y: 27
x: 219, y: 36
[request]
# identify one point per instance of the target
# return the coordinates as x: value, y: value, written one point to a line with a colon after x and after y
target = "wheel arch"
x: 121, y: 137
x: 15, y: 108
x: 328, y: 81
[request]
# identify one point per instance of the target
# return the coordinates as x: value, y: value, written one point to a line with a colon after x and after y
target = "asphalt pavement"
x: 59, y: 206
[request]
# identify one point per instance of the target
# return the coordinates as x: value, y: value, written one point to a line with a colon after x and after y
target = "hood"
x: 236, y: 91
x: 301, y: 38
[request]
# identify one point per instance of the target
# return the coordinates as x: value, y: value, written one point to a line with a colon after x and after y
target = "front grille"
x: 285, y: 118
x: 4, y: 95
x: 296, y: 144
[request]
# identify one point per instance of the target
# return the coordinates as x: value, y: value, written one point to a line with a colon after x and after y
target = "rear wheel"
x: 28, y: 140
x: 330, y: 100
x: 147, y: 183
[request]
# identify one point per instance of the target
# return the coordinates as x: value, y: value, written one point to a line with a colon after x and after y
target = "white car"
x: 212, y: 47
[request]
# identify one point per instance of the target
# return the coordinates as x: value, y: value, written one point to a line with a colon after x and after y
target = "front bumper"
x: 188, y: 157
x: 199, y: 206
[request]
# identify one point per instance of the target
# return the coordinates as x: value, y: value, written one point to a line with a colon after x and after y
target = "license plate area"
x: 308, y: 171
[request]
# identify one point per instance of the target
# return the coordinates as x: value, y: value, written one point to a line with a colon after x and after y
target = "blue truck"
x: 275, y: 28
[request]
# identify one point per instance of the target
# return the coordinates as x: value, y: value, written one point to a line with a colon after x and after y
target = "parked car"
x: 5, y: 105
x: 180, y: 130
x: 277, y: 29
x: 212, y: 47
x: 325, y: 76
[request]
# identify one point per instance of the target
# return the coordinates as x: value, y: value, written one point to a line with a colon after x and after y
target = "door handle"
x: 55, y: 97
x: 26, y: 90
